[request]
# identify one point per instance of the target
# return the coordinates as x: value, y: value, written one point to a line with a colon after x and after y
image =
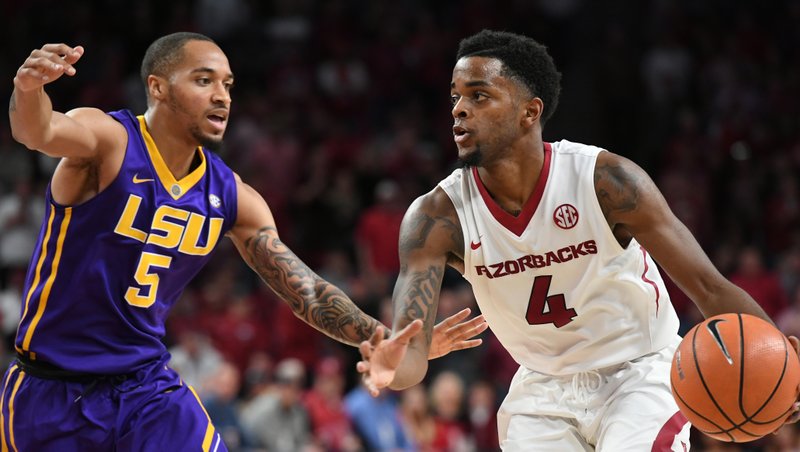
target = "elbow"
x: 414, y: 375
x: 27, y: 140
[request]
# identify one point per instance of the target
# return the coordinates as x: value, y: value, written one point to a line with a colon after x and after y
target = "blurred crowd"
x: 341, y: 118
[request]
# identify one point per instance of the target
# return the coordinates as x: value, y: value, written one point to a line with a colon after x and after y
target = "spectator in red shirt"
x: 377, y: 234
x: 324, y: 402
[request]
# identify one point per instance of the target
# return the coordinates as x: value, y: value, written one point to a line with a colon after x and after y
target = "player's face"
x: 199, y: 93
x: 486, y: 111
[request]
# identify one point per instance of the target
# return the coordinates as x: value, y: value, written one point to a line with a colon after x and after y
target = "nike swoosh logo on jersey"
x: 474, y: 245
x: 136, y: 179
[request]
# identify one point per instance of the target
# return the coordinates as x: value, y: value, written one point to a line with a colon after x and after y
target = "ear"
x: 156, y: 87
x: 533, y: 111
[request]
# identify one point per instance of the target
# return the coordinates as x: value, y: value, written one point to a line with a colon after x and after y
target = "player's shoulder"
x: 566, y: 147
x: 434, y: 203
x: 454, y: 178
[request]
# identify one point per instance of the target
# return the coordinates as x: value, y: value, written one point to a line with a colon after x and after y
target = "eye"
x: 228, y: 86
x: 453, y: 99
x: 479, y: 96
x: 203, y: 81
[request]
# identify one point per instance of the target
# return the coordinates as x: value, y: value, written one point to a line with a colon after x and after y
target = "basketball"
x: 735, y: 377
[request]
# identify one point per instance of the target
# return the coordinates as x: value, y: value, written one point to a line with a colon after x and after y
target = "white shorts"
x: 628, y: 407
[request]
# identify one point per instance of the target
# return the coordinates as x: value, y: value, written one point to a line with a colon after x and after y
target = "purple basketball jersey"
x: 105, y: 273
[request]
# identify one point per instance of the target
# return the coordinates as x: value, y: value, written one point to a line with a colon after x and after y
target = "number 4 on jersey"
x: 543, y: 309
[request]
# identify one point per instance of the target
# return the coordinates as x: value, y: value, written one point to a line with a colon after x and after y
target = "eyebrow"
x: 209, y: 70
x: 472, y: 84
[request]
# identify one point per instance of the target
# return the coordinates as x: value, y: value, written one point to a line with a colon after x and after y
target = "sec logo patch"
x: 565, y: 216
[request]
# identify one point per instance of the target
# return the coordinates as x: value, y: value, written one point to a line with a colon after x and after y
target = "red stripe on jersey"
x: 670, y: 429
x: 648, y: 280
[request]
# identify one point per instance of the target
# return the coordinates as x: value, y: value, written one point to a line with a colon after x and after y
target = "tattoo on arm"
x: 422, y: 226
x: 12, y: 104
x: 417, y: 291
x: 421, y: 229
x: 419, y: 298
x: 617, y: 189
x: 314, y: 300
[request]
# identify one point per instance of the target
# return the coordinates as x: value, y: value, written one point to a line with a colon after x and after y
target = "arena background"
x: 341, y: 118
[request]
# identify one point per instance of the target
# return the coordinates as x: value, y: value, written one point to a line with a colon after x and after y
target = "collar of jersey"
x: 164, y: 174
x: 517, y: 224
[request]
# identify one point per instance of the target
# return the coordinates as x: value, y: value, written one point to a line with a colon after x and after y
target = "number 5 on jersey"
x: 544, y: 308
x: 144, y: 278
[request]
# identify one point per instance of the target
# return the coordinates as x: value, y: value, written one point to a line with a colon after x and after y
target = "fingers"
x: 365, y: 347
x: 411, y: 330
x: 468, y: 329
x: 795, y: 343
x: 455, y: 318
x: 377, y: 336
x: 46, y: 65
x: 363, y: 367
x: 463, y: 345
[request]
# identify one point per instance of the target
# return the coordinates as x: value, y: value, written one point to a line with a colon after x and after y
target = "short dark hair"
x: 523, y: 59
x: 165, y: 51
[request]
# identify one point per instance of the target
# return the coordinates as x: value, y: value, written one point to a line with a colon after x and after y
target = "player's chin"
x: 469, y: 156
x: 212, y: 141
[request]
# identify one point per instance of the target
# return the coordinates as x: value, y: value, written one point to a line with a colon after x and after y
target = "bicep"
x: 255, y: 225
x: 83, y: 133
x: 630, y: 199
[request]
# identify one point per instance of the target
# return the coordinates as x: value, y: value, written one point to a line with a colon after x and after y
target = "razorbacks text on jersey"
x: 555, y: 286
x: 105, y: 273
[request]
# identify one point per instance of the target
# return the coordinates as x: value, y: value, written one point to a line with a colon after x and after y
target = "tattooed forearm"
x: 12, y: 104
x: 617, y: 189
x: 419, y: 296
x: 314, y: 300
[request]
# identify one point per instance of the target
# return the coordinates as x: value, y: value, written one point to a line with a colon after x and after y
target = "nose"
x: 460, y: 109
x: 221, y: 95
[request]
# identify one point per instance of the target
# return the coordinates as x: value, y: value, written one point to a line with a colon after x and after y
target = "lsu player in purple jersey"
x: 556, y: 240
x: 134, y: 209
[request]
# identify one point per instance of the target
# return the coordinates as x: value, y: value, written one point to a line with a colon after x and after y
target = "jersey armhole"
x: 599, y: 210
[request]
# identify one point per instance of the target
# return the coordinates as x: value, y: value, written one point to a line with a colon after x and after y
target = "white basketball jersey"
x: 555, y: 286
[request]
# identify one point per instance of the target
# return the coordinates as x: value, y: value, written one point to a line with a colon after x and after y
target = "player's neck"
x: 177, y: 152
x: 512, y: 179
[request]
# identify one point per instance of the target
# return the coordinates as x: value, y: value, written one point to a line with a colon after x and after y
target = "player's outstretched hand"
x: 451, y: 334
x: 381, y: 357
x: 796, y: 414
x: 46, y: 65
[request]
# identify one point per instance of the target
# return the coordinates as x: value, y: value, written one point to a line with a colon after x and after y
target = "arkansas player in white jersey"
x: 559, y: 291
x: 556, y: 241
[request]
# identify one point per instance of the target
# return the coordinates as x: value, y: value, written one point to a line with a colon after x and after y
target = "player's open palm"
x: 46, y: 65
x: 452, y: 334
x: 381, y: 357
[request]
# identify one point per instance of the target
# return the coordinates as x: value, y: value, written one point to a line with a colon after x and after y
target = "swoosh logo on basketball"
x: 474, y: 245
x: 136, y: 179
x: 712, y: 328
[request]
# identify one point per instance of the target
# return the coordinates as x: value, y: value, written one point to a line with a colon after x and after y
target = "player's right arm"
x: 83, y: 133
x: 430, y: 237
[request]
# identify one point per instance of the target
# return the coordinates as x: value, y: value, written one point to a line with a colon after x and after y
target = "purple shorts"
x: 152, y: 409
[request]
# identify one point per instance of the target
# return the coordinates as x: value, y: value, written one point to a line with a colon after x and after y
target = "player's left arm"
x: 634, y: 206
x: 313, y: 299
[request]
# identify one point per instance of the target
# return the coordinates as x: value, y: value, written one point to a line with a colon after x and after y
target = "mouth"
x: 218, y: 118
x: 460, y: 134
